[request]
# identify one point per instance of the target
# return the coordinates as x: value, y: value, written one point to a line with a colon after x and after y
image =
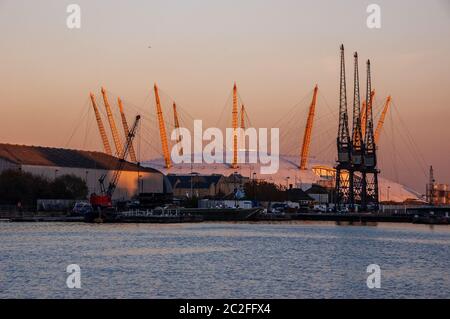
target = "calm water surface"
x: 221, y: 260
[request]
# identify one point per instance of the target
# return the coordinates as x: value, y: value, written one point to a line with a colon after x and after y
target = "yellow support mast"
x: 126, y: 130
x: 162, y: 129
x: 177, y: 127
x: 101, y: 127
x: 235, y: 127
x: 112, y: 124
x: 382, y: 118
x: 308, y: 131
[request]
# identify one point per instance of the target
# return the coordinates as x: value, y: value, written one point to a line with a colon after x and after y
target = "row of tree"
x: 262, y: 190
x: 17, y: 186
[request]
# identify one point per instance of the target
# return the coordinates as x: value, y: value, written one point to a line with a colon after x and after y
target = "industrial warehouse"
x: 89, y: 166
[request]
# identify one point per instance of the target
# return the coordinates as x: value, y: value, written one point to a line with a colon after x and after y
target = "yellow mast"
x: 382, y: 118
x: 235, y: 126
x: 363, y: 114
x: 308, y: 131
x: 177, y: 126
x: 126, y: 129
x: 162, y: 129
x: 101, y: 127
x: 112, y: 124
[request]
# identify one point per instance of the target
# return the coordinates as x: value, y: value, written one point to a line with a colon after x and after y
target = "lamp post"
x: 192, y: 186
x: 235, y: 189
x: 388, y: 188
x: 254, y: 185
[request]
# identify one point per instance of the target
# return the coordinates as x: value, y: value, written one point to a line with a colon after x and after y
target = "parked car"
x: 82, y: 208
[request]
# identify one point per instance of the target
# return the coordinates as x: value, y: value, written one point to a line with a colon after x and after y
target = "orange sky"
x: 275, y: 50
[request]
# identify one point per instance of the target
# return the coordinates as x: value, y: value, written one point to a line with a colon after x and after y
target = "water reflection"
x: 223, y: 260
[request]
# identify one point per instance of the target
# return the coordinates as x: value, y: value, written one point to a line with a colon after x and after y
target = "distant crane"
x: 112, y: 124
x: 104, y: 200
x: 126, y: 129
x: 162, y: 129
x: 101, y: 127
x: 382, y: 118
x: 308, y: 131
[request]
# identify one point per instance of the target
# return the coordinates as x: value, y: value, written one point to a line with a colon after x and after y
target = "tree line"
x: 22, y: 187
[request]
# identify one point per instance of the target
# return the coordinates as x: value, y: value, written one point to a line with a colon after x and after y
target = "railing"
x: 152, y: 212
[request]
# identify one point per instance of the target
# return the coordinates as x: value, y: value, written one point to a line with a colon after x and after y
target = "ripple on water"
x: 221, y: 260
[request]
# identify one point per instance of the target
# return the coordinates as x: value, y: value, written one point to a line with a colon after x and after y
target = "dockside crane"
x: 370, y: 196
x: 344, y: 174
x: 101, y: 127
x: 357, y: 140
x: 104, y: 200
x: 308, y: 131
x: 126, y: 129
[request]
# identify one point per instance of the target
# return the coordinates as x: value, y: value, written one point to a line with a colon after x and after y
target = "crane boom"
x: 112, y: 124
x: 235, y: 126
x: 101, y: 127
x: 162, y: 129
x: 104, y: 200
x: 120, y: 164
x: 308, y: 131
x: 177, y: 127
x: 382, y: 118
x: 126, y: 129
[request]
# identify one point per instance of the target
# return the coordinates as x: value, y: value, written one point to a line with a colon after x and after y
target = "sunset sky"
x: 275, y: 50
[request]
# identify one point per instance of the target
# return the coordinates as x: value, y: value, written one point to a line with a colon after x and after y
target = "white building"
x: 90, y: 166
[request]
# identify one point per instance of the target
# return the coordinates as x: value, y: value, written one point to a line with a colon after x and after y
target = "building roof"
x: 316, y: 189
x: 297, y: 194
x: 59, y: 157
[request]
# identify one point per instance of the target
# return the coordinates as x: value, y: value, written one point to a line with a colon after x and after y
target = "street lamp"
x: 388, y: 188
